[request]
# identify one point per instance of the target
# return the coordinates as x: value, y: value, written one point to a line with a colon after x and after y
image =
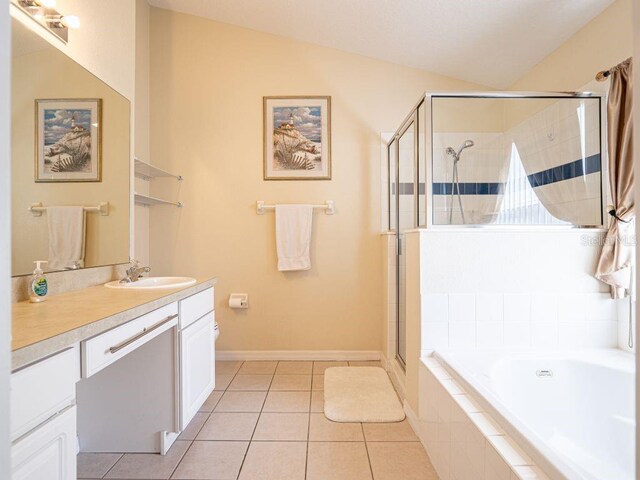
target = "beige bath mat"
x: 360, y: 394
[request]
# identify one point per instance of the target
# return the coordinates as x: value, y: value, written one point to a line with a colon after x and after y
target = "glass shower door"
x: 406, y: 220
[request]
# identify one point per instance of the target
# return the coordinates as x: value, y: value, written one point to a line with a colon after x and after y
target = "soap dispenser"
x: 39, y: 285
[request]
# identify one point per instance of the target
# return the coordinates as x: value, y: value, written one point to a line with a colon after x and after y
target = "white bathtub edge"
x: 500, y: 454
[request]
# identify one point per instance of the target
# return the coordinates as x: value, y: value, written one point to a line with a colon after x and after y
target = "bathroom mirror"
x: 517, y: 161
x: 70, y: 147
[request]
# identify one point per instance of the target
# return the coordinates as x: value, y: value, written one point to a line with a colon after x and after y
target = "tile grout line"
x: 181, y: 458
x: 255, y: 427
x: 366, y: 447
x: 111, y: 467
x: 306, y: 457
x: 264, y: 401
x: 202, y: 426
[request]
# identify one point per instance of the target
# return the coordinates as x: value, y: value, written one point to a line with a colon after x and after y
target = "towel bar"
x: 37, y: 209
x: 329, y: 207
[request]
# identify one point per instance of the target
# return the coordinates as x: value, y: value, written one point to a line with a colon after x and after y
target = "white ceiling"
x: 490, y: 42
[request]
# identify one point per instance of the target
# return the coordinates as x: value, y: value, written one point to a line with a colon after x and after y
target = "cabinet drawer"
x: 48, y: 452
x: 101, y: 351
x: 195, y: 307
x: 43, y: 389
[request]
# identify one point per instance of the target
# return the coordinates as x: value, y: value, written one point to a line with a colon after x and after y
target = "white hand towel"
x: 66, y: 237
x: 293, y: 236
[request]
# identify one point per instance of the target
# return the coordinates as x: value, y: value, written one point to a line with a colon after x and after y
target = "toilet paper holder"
x: 239, y: 300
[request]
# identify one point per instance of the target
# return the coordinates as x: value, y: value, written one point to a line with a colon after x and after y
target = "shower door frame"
x: 411, y: 120
x: 424, y: 140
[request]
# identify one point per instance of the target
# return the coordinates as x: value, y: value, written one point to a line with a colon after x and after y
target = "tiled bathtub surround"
x: 510, y: 288
x: 463, y: 441
x: 515, y: 320
x: 623, y: 326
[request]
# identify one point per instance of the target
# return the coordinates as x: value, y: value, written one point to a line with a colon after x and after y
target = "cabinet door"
x: 57, y: 376
x: 48, y: 452
x: 197, y: 367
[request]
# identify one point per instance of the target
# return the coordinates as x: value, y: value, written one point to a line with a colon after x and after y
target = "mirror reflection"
x: 70, y: 161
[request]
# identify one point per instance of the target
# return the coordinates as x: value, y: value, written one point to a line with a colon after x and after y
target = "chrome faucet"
x: 134, y: 272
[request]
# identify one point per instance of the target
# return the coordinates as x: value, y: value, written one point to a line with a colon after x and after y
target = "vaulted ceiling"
x: 490, y: 42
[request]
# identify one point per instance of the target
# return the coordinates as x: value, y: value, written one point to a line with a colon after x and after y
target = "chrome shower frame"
x: 424, y: 141
x: 423, y: 122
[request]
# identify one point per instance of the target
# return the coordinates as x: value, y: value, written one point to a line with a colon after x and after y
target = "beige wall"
x: 602, y: 43
x: 207, y: 84
x: 468, y: 115
x: 49, y: 74
x: 98, y: 45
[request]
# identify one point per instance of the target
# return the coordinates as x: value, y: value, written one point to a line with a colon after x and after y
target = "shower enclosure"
x: 491, y: 159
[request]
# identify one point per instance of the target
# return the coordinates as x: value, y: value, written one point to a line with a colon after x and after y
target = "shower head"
x: 456, y: 155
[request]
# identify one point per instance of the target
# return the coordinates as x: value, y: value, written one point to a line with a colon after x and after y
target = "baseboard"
x: 412, y: 417
x: 327, y: 355
x: 397, y: 375
x: 384, y: 362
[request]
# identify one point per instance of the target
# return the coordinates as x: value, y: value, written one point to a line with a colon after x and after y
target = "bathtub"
x: 572, y: 412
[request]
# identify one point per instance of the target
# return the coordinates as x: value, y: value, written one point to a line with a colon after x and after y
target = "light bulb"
x: 48, y: 3
x: 70, y: 21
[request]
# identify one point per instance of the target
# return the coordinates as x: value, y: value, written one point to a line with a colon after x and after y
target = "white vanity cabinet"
x: 197, y: 353
x: 164, y: 359
x: 130, y: 388
x: 43, y: 418
x: 48, y: 452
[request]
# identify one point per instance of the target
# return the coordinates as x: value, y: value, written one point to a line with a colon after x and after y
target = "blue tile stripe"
x: 567, y: 171
x: 482, y: 188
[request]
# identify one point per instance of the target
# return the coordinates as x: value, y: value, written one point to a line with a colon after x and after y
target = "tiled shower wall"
x: 559, y: 147
x: 483, y: 165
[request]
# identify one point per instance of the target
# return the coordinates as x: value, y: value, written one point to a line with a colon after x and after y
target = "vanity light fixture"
x: 59, y: 21
x: 44, y: 12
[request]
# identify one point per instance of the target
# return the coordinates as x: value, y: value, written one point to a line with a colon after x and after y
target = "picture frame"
x: 297, y: 138
x: 68, y: 140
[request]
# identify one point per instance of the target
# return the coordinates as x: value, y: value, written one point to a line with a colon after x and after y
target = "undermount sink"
x: 152, y: 283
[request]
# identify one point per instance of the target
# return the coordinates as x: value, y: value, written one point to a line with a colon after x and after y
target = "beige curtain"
x: 614, y: 266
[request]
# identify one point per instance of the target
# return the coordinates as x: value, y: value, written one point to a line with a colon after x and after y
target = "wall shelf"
x: 149, y: 201
x: 146, y: 171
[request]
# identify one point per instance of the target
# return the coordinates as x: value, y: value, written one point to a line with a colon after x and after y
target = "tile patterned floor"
x: 264, y: 421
